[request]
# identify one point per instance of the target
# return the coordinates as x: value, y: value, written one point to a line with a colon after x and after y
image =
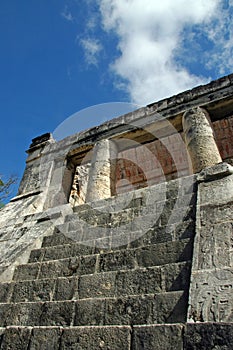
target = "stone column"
x: 102, y: 171
x: 199, y: 139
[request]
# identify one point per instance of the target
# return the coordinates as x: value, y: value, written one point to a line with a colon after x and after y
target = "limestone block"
x: 99, y: 285
x: 37, y: 314
x: 176, y: 277
x: 67, y: 267
x: 45, y: 338
x: 148, y: 309
x: 25, y: 272
x: 203, y: 336
x: 33, y: 291
x: 215, y: 172
x: 117, y: 260
x: 211, y: 296
x: 164, y: 253
x: 66, y: 289
x: 5, y: 292
x: 157, y: 337
x: 66, y: 251
x: 219, y: 191
x: 215, y: 246
x: 93, y: 338
x: 89, y: 312
x: 16, y: 338
x: 139, y: 281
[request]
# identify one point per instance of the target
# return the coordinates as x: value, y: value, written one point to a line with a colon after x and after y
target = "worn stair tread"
x: 151, y: 255
x: 69, y: 233
x: 136, y: 309
x: 69, y: 248
x: 171, y: 277
x: 127, y: 337
x: 125, y: 215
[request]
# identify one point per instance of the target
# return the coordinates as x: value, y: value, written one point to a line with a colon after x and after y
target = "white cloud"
x: 163, y: 47
x: 67, y: 14
x: 220, y: 33
x: 92, y: 48
x: 151, y: 39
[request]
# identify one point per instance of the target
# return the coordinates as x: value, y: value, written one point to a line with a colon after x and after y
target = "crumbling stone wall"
x: 161, y: 168
x: 165, y: 168
x: 224, y: 137
x: 39, y: 228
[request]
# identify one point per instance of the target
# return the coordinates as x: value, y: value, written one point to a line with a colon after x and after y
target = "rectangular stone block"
x: 16, y: 338
x: 177, y: 215
x: 211, y: 215
x: 130, y: 310
x: 157, y: 337
x: 176, y: 276
x: 218, y: 192
x: 20, y: 314
x: 216, y: 244
x: 6, y: 290
x: 98, y: 285
x: 45, y: 338
x: 56, y: 314
x: 171, y: 307
x: 211, y: 296
x: 33, y: 291
x: 119, y: 260
x: 56, y: 239
x: 66, y: 289
x: 67, y: 251
x: 92, y: 338
x: 36, y: 255
x: 164, y: 253
x: 89, y: 312
x: 139, y: 281
x: 54, y: 269
x: 26, y: 272
x: 68, y: 267
x: 203, y: 336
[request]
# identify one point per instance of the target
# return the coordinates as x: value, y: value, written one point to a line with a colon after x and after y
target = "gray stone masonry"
x: 148, y: 269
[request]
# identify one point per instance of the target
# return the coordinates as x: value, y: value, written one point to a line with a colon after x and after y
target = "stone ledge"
x: 25, y: 195
x: 215, y: 172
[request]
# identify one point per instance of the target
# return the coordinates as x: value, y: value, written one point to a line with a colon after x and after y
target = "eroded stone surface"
x: 200, y: 139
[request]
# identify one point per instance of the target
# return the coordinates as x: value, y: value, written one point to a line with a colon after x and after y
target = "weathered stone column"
x: 102, y: 171
x: 199, y: 139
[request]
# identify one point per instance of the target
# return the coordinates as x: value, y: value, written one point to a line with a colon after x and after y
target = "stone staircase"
x: 104, y: 279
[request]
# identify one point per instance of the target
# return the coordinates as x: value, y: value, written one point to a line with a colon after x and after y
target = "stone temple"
x: 120, y: 236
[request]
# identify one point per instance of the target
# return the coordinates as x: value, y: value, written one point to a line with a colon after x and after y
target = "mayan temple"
x: 120, y: 236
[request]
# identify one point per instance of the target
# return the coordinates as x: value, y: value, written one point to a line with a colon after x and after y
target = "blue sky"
x: 58, y: 57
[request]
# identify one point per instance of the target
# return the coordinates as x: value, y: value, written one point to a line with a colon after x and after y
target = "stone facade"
x: 120, y: 236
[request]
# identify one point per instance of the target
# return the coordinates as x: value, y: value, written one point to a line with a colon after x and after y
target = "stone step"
x: 60, y: 246
x: 169, y: 307
x: 173, y: 189
x: 151, y: 255
x: 139, y: 233
x: 172, y: 277
x: 162, y: 337
x: 94, y: 223
x: 94, y: 217
x: 176, y: 336
x: 151, y: 209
